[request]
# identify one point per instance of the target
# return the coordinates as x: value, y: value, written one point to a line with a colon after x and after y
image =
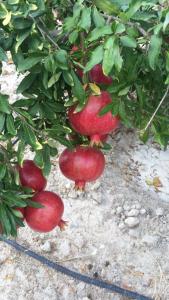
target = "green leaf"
x: 20, y: 152
x: 54, y: 79
x: 73, y: 36
x: 2, y: 171
x: 46, y: 159
x: 128, y: 41
x: 96, y: 58
x: 4, y: 104
x: 2, y: 121
x: 99, y: 32
x: 5, y: 220
x: 108, y: 61
x: 10, y: 125
x: 85, y: 21
x: 166, y: 22
x: 26, y: 83
x: 13, y: 2
x: 7, y: 19
x: 120, y: 28
x: 38, y: 159
x: 34, y: 204
x: 154, y: 50
x: 106, y: 109
x: 3, y: 56
x: 61, y: 59
x: 133, y: 8
x: 99, y: 21
x: 77, y: 89
x: 21, y: 37
x: 68, y: 78
x: 21, y: 23
x: 30, y: 137
x: 107, y: 6
x: 29, y: 62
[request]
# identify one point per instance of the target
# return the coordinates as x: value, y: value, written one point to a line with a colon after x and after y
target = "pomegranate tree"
x: 83, y: 164
x: 89, y: 122
x: 121, y: 40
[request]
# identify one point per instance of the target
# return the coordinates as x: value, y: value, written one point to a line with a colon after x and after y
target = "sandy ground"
x: 118, y: 229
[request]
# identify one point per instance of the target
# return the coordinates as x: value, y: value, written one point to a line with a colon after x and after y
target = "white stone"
x: 132, y: 222
x: 143, y: 211
x: 119, y: 210
x: 134, y: 233
x: 46, y: 247
x: 64, y: 248
x: 122, y: 225
x: 150, y: 240
x: 126, y: 207
x: 159, y: 212
x: 81, y: 286
x: 132, y: 213
x: 138, y: 206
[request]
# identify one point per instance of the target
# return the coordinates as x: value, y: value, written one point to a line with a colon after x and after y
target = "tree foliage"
x: 130, y: 38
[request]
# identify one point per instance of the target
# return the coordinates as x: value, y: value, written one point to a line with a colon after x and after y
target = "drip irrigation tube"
x: 89, y: 280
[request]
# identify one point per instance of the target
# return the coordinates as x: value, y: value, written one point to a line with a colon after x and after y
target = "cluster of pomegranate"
x: 87, y: 163
x: 49, y: 216
x: 82, y: 164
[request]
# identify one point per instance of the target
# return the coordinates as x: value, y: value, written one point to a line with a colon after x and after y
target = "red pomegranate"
x: 83, y: 164
x: 31, y: 176
x: 96, y: 75
x: 88, y: 122
x: 49, y: 216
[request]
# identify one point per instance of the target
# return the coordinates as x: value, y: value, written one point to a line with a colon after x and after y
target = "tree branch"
x: 137, y: 25
x: 45, y: 34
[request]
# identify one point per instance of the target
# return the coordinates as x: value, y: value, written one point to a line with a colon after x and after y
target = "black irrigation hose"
x: 89, y: 280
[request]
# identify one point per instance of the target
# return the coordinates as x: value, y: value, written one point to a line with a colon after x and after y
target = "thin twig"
x: 45, y: 34
x: 158, y: 107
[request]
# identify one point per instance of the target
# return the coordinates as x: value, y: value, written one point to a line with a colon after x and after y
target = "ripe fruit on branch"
x: 31, y: 176
x: 89, y: 122
x: 49, y: 216
x: 96, y: 75
x: 83, y: 164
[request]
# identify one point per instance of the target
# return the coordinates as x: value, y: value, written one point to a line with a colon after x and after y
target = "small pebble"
x: 119, y: 210
x: 150, y: 240
x: 126, y: 207
x: 159, y: 212
x: 134, y: 233
x: 132, y: 213
x: 132, y: 222
x: 143, y: 211
x: 122, y: 225
x: 46, y: 247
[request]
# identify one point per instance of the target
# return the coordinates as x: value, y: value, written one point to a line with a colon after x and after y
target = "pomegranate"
x: 49, y: 216
x: 83, y: 164
x: 31, y: 176
x: 88, y: 122
x: 96, y: 75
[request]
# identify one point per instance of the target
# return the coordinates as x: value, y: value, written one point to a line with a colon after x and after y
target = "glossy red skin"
x: 82, y: 164
x: 96, y: 75
x: 31, y: 176
x: 88, y: 122
x: 48, y: 217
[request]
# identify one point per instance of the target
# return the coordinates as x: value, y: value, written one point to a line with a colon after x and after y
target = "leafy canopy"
x: 130, y: 38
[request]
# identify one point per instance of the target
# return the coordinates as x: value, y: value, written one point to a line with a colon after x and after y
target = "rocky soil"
x: 118, y: 229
